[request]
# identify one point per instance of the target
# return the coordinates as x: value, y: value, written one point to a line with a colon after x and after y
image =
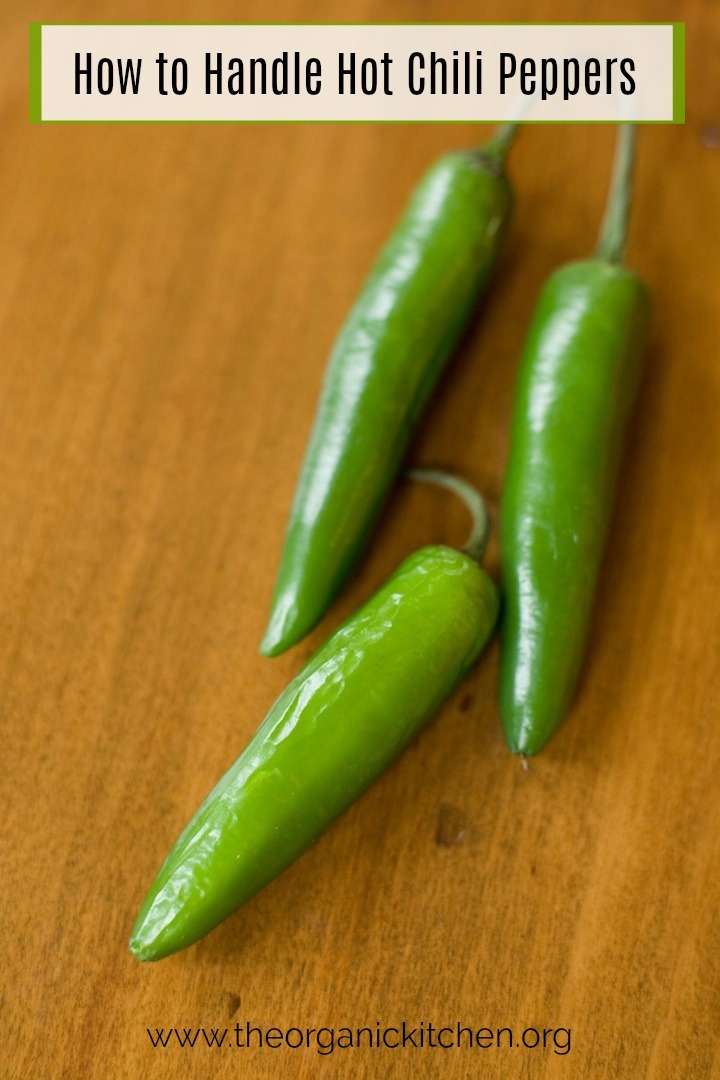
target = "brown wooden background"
x: 168, y: 296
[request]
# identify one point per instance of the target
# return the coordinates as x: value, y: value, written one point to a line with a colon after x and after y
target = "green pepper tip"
x: 270, y: 646
x: 147, y: 935
x: 145, y: 943
x: 282, y: 630
x: 137, y: 948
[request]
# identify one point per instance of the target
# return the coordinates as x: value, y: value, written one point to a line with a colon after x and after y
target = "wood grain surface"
x: 168, y: 297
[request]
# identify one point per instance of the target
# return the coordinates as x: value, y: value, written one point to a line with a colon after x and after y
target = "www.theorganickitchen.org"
x: 326, y: 1040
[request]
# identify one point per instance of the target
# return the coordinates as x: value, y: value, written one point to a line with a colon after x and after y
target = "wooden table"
x: 168, y: 298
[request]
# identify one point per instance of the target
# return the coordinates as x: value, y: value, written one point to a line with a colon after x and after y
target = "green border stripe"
x: 678, y: 73
x: 36, y: 73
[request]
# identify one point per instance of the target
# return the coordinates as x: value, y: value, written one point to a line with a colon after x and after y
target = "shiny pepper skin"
x: 578, y: 378
x: 336, y: 727
x: 381, y: 373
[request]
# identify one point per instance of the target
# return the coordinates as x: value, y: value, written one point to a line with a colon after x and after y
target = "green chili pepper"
x: 381, y: 374
x: 578, y: 379
x: 337, y: 726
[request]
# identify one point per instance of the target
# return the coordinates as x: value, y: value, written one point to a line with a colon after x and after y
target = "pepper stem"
x: 496, y: 149
x: 480, y: 531
x: 613, y: 233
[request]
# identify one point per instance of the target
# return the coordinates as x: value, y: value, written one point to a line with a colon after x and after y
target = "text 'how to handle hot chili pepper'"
x: 445, y: 73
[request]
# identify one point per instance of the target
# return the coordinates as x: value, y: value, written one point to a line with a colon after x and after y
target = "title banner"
x: 422, y: 73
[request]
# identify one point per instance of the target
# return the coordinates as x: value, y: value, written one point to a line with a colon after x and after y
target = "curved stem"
x: 613, y: 232
x: 480, y: 531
